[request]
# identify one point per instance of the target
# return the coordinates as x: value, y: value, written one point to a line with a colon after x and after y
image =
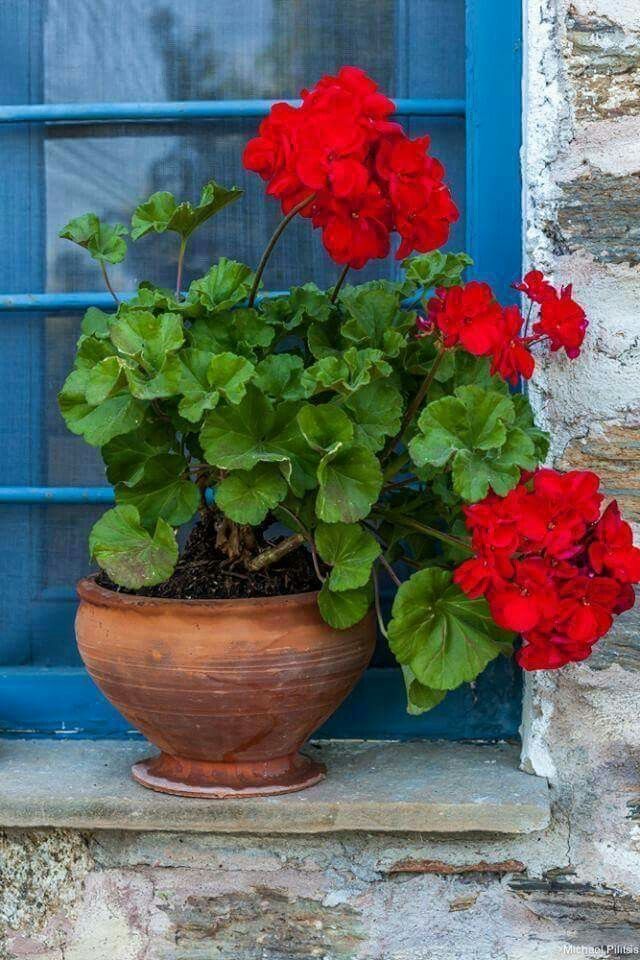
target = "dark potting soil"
x: 204, y: 572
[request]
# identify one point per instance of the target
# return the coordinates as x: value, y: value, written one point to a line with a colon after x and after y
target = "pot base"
x: 227, y: 780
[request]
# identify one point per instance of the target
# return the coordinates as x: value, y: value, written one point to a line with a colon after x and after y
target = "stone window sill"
x: 425, y: 787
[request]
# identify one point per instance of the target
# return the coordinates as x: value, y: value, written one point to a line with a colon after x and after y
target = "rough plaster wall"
x: 569, y: 891
x: 582, y: 202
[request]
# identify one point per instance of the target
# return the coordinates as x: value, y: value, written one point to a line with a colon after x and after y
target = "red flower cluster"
x: 363, y: 176
x: 472, y: 318
x: 562, y: 321
x: 551, y: 567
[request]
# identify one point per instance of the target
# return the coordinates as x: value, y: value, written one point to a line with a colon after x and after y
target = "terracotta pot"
x: 229, y: 690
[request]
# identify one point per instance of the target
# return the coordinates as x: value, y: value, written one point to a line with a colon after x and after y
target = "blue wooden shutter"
x: 475, y: 126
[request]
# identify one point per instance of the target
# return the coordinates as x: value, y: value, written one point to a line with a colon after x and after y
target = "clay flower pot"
x: 228, y: 690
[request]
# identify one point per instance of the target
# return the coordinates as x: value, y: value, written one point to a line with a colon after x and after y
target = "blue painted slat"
x: 45, y: 495
x: 494, y: 135
x: 70, y: 302
x: 193, y: 110
x: 63, y: 701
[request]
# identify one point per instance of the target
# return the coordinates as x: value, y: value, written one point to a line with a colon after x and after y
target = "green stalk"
x: 183, y: 247
x: 428, y: 531
x: 341, y: 279
x: 415, y: 404
x: 272, y: 242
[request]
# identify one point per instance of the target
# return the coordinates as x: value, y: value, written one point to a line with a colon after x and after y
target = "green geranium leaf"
x: 163, y: 383
x: 473, y: 419
x: 102, y: 240
x: 97, y: 423
x: 229, y: 374
x: 106, y: 377
x: 349, y: 550
x: 324, y: 426
x: 250, y: 327
x: 376, y: 411
x: 420, y: 698
x: 437, y: 269
x: 301, y: 306
x: 145, y: 336
x: 343, y: 610
x: 346, y: 373
x: 444, y: 637
x: 524, y: 420
x: 224, y: 285
x: 95, y: 323
x: 91, y: 350
x: 247, y: 496
x: 350, y: 481
x: 473, y: 472
x: 254, y: 431
x: 475, y: 428
x: 164, y: 490
x: 127, y: 455
x: 161, y: 212
x: 130, y: 555
x: 196, y: 390
x: 279, y: 376
x: 373, y: 315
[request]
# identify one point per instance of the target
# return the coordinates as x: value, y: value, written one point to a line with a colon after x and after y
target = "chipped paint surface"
x: 568, y: 891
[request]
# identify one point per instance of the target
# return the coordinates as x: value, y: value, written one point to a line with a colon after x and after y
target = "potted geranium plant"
x: 374, y: 421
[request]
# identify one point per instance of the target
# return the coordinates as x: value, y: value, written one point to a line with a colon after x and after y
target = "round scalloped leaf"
x: 128, y: 553
x: 350, y: 481
x: 247, y: 496
x: 342, y: 610
x: 444, y: 637
x: 349, y: 550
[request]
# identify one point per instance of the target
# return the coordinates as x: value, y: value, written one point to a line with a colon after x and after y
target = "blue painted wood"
x: 44, y: 495
x: 70, y: 302
x: 193, y: 110
x: 494, y: 134
x: 38, y: 701
x: 64, y: 701
x: 21, y: 339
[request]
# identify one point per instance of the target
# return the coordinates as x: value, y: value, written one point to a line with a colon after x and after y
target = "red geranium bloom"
x: 612, y: 551
x: 511, y: 356
x: 536, y: 288
x: 564, y: 322
x: 469, y: 316
x: 550, y: 567
x: 357, y: 230
x: 340, y: 149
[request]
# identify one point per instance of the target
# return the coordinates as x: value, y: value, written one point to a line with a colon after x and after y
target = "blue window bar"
x: 44, y: 691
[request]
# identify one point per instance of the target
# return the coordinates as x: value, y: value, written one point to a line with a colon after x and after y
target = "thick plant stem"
x: 415, y: 404
x: 273, y: 554
x: 341, y: 279
x: 183, y: 247
x: 272, y: 242
x: 310, y: 542
x: 108, y: 282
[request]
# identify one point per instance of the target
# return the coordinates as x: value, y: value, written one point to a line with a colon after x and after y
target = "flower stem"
x: 419, y: 527
x: 341, y: 279
x: 309, y: 539
x: 376, y: 596
x: 415, y: 404
x: 108, y: 283
x: 272, y: 242
x: 385, y: 563
x: 183, y: 247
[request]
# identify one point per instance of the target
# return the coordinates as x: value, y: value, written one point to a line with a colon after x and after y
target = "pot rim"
x: 91, y: 592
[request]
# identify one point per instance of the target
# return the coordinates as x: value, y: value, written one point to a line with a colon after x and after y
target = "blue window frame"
x: 454, y: 73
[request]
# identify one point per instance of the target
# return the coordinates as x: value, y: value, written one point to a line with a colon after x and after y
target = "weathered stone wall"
x: 569, y: 891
